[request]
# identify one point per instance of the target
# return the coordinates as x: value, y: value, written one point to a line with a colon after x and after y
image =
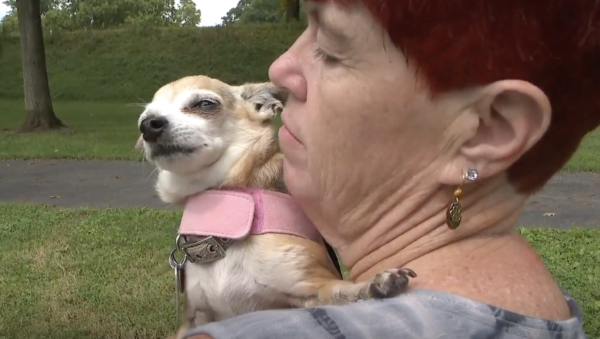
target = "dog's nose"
x: 152, y: 128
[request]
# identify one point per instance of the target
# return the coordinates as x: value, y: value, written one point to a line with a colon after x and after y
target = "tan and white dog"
x: 212, y: 143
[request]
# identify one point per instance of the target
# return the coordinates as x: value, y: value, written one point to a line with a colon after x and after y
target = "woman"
x: 414, y: 134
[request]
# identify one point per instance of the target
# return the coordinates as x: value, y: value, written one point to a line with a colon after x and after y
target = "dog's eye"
x: 205, y: 104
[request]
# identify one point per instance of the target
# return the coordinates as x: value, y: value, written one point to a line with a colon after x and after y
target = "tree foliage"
x: 263, y: 11
x: 98, y: 14
x: 45, y: 5
x: 292, y: 10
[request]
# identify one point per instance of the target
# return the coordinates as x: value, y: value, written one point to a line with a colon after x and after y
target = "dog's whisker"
x: 145, y: 163
x: 142, y: 104
x: 137, y: 104
x: 154, y: 170
x: 142, y: 155
x: 142, y: 99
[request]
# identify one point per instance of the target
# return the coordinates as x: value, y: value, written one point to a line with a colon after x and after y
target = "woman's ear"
x: 509, y: 117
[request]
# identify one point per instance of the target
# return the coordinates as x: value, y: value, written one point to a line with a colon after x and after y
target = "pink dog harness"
x: 213, y: 219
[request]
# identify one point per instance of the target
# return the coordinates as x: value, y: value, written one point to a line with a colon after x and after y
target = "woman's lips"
x: 286, y: 136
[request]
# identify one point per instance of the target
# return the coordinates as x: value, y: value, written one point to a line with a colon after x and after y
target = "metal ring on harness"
x: 173, y: 261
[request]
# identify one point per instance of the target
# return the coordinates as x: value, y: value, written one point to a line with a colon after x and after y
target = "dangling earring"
x: 454, y: 211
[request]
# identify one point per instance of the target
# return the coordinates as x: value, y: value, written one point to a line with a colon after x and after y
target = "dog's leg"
x: 311, y: 278
x: 387, y: 284
x: 183, y: 330
x: 203, y: 317
x: 199, y: 319
x: 192, y: 317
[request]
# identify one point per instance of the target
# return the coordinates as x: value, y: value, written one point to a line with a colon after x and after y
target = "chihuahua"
x: 247, y: 245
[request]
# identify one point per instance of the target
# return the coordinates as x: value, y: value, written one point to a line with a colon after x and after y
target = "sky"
x: 212, y: 10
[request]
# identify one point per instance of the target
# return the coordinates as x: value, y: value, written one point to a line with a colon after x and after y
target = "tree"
x: 292, y: 10
x: 45, y: 5
x: 9, y: 23
x: 100, y: 14
x: 38, y: 103
x: 254, y: 11
x: 188, y: 14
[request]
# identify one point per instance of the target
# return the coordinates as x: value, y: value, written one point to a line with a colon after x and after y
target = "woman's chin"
x: 294, y: 152
x: 295, y: 178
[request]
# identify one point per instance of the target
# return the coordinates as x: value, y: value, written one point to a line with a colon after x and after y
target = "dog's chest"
x: 237, y: 284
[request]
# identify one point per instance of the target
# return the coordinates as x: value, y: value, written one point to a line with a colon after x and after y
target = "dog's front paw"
x: 270, y: 109
x: 389, y: 283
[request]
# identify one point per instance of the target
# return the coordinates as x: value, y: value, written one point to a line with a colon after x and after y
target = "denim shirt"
x: 419, y: 314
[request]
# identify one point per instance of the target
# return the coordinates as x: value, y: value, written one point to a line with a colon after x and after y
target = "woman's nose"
x: 286, y: 72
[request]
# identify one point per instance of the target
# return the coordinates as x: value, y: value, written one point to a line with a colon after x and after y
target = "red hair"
x: 553, y: 44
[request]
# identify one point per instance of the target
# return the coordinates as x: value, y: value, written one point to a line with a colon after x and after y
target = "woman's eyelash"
x: 322, y: 56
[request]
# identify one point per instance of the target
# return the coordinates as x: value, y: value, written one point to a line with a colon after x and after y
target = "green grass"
x: 100, y: 131
x: 573, y: 258
x: 78, y: 274
x: 587, y: 157
x: 108, y: 131
x: 81, y: 273
x: 97, y: 131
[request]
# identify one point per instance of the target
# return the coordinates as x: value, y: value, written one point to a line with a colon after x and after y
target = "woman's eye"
x: 322, y: 56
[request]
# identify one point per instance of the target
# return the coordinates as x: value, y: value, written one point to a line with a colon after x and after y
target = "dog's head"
x: 202, y: 125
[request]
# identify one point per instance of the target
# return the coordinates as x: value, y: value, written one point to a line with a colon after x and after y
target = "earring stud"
x: 454, y: 211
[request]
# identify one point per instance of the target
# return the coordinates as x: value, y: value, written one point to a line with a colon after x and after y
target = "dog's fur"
x: 221, y: 135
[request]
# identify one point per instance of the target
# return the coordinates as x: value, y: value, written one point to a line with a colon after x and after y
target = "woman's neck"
x: 414, y: 227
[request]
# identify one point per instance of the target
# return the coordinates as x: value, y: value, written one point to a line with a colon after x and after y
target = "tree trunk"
x: 292, y: 10
x: 38, y: 103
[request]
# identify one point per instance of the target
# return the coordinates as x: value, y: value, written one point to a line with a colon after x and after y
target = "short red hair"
x: 553, y: 44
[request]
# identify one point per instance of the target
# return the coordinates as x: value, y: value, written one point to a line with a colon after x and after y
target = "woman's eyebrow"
x: 314, y: 9
x: 333, y: 33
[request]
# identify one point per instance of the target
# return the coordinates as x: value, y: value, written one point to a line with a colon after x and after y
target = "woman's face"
x: 357, y: 123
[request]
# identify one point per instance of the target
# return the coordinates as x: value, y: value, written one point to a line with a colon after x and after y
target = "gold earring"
x: 454, y: 211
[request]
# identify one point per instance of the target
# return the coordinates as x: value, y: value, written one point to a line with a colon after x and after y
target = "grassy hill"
x: 128, y: 65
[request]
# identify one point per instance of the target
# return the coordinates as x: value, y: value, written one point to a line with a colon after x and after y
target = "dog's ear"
x: 139, y: 145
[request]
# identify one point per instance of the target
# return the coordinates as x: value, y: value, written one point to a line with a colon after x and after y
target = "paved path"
x: 568, y: 200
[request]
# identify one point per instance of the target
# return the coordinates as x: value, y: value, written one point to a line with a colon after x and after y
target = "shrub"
x: 130, y: 64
